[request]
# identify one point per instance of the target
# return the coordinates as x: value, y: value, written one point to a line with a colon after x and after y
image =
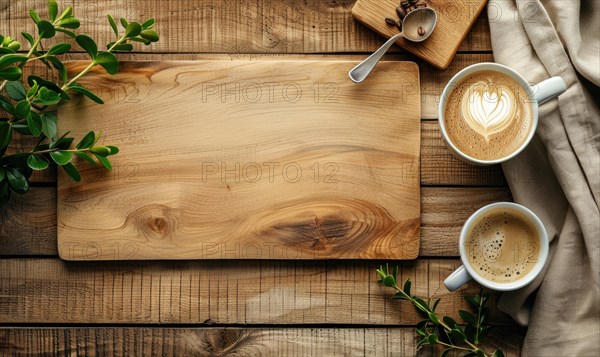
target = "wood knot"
x: 156, y: 221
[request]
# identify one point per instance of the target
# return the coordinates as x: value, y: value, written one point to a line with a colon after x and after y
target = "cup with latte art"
x: 488, y: 113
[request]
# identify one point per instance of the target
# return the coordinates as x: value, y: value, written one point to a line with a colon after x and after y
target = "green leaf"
x: 471, y: 332
x: 71, y: 170
x: 399, y: 296
x: 472, y: 300
x: 435, y: 304
x: 37, y: 162
x: 432, y: 339
x: 34, y: 122
x: 498, y: 353
x: 52, y: 9
x: 61, y: 157
x: 457, y: 335
x: 467, y: 316
x: 61, y: 143
x: 15, y: 90
x: 104, y: 161
x: 5, y: 134
x: 85, y: 156
x: 82, y: 90
x: 7, y: 105
x: 45, y: 29
x: 59, y: 49
x: 87, y: 141
x: 11, y: 58
x: 88, y: 44
x: 433, y: 317
x: 28, y: 37
x: 17, y: 181
x: 70, y: 23
x: 100, y: 150
x: 67, y: 32
x: 34, y: 15
x: 480, y: 353
x: 139, y: 39
x: 421, y: 305
x: 445, y: 352
x: 49, y: 124
x: 406, y: 287
x: 11, y: 73
x: 133, y: 29
x: 2, y: 170
x: 32, y: 90
x: 22, y: 109
x: 1, y: 40
x: 22, y: 129
x: 449, y: 321
x: 123, y: 23
x: 113, y: 150
x: 149, y: 35
x: 66, y: 13
x: 108, y: 61
x: 60, y: 67
x: 46, y: 97
x: 389, y: 281
x: 148, y: 24
x: 113, y: 25
x: 484, y: 331
x: 122, y: 47
x: 5, y: 50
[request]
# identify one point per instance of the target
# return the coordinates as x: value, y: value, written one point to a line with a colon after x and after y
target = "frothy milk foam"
x: 503, y: 246
x: 488, y: 115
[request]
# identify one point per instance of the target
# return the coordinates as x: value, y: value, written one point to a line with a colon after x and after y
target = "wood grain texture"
x: 223, y: 292
x: 289, y: 158
x: 225, y: 341
x: 455, y: 19
x: 208, y: 26
x: 29, y: 222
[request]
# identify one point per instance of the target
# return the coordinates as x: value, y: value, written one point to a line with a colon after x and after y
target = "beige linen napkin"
x: 558, y: 175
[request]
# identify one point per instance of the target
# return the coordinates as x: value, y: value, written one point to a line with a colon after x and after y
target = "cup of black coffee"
x: 503, y: 246
x: 488, y: 113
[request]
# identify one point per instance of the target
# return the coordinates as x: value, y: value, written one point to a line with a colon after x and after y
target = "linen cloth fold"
x: 558, y: 175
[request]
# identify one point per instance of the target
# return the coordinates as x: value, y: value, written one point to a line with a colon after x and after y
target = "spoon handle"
x: 362, y: 70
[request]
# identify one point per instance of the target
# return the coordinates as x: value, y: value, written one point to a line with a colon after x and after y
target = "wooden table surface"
x: 277, y: 308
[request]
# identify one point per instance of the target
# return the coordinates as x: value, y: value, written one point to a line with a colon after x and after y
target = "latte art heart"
x: 488, y: 109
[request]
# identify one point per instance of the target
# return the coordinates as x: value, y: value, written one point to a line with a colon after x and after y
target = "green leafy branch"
x: 444, y: 331
x: 29, y: 106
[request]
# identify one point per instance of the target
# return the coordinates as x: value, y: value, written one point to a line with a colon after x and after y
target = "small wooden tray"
x: 455, y: 19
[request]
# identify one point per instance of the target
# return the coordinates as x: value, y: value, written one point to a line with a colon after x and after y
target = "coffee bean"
x: 421, y: 30
x: 421, y: 5
x: 390, y: 22
x: 405, y: 3
x: 401, y: 12
x: 399, y: 25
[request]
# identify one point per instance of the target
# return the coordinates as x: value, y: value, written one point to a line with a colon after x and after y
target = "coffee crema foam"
x: 488, y: 115
x: 502, y: 246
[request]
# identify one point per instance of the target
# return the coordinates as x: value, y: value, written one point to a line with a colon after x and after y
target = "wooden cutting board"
x: 455, y: 19
x: 246, y: 160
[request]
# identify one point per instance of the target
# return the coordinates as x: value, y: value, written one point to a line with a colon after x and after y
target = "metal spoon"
x: 424, y: 17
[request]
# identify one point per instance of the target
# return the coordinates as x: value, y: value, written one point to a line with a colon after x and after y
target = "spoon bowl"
x: 417, y: 26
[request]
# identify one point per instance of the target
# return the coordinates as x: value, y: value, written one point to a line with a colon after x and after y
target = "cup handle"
x: 548, y: 89
x: 458, y: 278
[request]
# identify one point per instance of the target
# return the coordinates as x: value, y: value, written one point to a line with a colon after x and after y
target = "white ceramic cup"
x: 536, y: 95
x: 466, y: 272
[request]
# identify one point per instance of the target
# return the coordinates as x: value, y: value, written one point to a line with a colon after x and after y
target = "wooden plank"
x: 263, y: 26
x: 289, y: 153
x: 233, y: 292
x: 28, y: 224
x: 220, y: 341
x: 454, y: 20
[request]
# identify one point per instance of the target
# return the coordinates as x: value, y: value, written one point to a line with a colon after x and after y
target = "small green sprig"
x: 444, y: 331
x: 28, y: 106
